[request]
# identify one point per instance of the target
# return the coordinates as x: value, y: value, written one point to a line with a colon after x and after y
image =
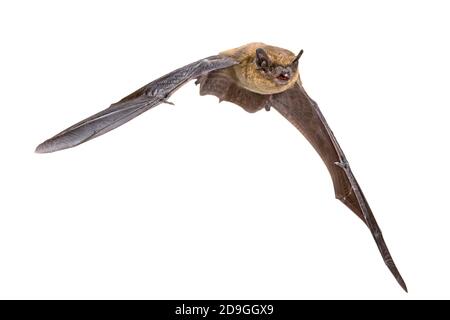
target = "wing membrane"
x: 133, y: 105
x: 297, y: 107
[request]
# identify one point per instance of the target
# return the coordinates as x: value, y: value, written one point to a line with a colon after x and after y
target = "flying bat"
x: 254, y: 76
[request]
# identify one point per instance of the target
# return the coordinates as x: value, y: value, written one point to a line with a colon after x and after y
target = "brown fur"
x: 254, y: 80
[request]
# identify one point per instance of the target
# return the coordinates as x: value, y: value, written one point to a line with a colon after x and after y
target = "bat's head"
x: 280, y: 69
x: 265, y: 69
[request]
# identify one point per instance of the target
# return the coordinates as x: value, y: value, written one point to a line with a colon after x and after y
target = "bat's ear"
x: 262, y: 59
x: 294, y: 63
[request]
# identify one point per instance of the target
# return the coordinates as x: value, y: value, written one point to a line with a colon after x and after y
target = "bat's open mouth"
x: 284, y: 77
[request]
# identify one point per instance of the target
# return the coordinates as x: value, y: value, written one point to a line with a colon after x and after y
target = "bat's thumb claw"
x: 340, y: 164
x: 168, y: 102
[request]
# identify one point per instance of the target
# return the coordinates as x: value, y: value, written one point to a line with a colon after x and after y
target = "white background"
x: 203, y: 200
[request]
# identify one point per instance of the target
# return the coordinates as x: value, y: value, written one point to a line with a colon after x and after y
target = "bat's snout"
x: 283, y: 74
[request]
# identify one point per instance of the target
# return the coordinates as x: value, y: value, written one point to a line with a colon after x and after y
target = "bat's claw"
x: 168, y: 102
x: 342, y: 164
x: 164, y: 100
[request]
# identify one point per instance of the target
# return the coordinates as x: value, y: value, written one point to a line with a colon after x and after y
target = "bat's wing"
x: 133, y: 105
x: 296, y: 106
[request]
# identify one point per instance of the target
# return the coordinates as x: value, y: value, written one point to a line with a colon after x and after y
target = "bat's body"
x: 255, y: 76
